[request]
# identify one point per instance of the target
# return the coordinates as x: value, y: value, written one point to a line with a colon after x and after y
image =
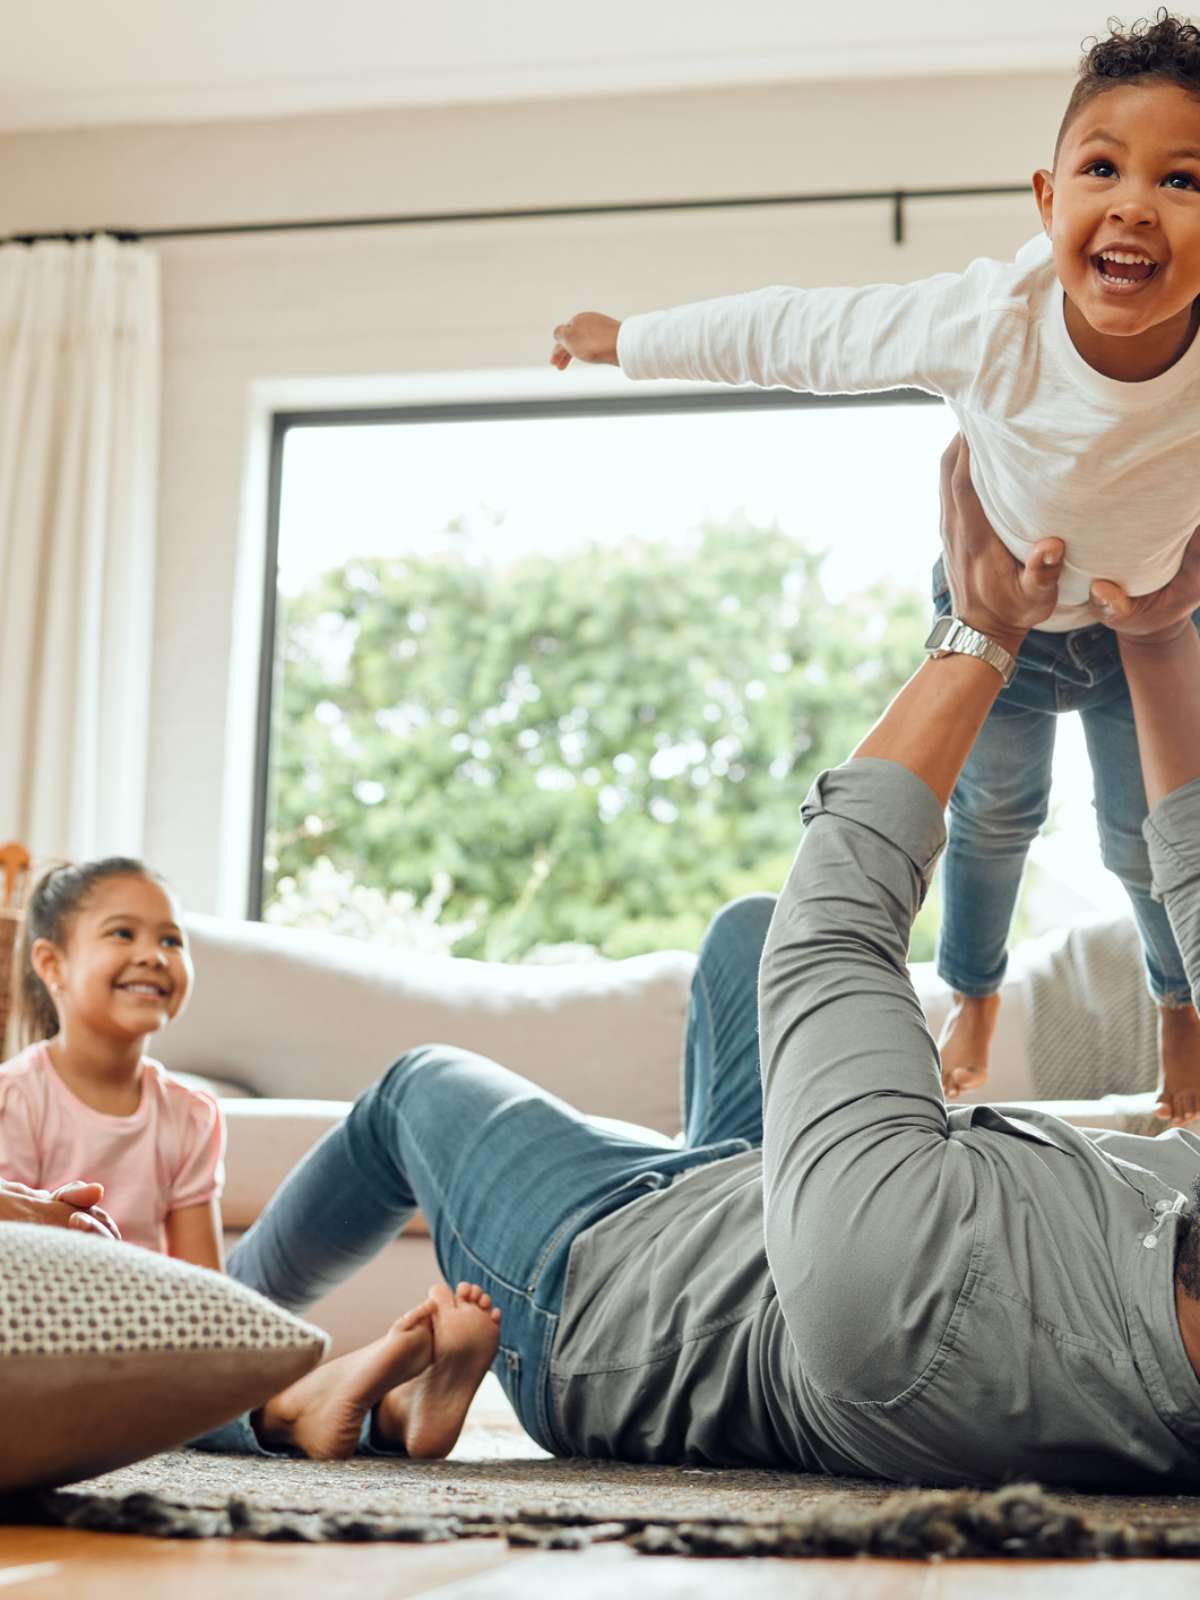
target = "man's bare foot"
x: 322, y: 1412
x: 1178, y: 1099
x: 424, y: 1416
x: 966, y: 1042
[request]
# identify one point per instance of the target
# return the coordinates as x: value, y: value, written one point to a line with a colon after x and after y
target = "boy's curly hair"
x: 1158, y: 49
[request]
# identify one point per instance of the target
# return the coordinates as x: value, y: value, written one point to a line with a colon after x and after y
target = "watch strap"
x: 953, y: 636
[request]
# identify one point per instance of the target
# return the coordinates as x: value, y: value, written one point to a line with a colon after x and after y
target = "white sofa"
x: 292, y: 1025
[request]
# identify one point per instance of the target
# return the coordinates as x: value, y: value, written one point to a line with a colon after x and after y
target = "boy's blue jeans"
x: 1002, y: 797
x: 506, y: 1174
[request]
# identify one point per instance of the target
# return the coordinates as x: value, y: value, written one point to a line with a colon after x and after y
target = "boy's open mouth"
x: 1124, y: 268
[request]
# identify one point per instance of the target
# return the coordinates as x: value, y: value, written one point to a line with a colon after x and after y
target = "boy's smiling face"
x: 1122, y: 208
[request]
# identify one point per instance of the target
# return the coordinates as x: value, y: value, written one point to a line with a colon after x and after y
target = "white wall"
x: 243, y: 312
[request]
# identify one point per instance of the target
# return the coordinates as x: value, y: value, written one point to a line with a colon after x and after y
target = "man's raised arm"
x: 934, y: 720
x: 868, y: 1207
x: 1160, y: 651
x: 1163, y: 673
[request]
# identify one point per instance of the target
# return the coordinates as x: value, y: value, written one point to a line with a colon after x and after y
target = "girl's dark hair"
x: 55, y: 900
x: 1158, y: 49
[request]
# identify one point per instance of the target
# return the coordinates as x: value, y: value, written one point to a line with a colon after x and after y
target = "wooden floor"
x: 40, y: 1564
x: 52, y: 1564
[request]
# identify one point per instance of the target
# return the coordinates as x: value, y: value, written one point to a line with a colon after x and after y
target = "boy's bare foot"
x: 966, y: 1042
x: 1178, y: 1098
x: 425, y: 1415
x: 322, y: 1412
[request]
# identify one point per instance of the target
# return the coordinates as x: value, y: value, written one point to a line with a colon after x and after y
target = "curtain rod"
x: 896, y: 198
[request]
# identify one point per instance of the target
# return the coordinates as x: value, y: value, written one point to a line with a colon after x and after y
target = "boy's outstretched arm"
x: 929, y: 335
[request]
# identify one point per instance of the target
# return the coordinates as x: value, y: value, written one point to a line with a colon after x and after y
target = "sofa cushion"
x: 268, y: 1138
x: 109, y: 1353
x: 294, y: 1013
x: 265, y: 1139
x: 222, y: 1088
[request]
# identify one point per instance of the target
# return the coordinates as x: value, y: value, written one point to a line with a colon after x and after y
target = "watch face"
x: 939, y: 633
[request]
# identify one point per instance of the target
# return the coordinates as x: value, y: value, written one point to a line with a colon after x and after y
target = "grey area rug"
x: 573, y: 1504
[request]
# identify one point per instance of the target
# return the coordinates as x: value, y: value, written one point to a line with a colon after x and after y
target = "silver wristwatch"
x: 951, y: 636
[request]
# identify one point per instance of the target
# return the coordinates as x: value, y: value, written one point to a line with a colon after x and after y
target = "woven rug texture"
x: 572, y: 1504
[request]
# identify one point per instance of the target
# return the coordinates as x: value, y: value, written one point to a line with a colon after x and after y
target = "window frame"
x: 284, y: 422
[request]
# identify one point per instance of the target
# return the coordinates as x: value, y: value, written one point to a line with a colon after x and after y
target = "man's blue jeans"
x: 1002, y: 797
x: 506, y: 1174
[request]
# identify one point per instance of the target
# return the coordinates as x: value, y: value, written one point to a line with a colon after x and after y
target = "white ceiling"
x: 81, y: 62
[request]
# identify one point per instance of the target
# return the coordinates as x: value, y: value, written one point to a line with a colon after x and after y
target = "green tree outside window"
x: 596, y: 750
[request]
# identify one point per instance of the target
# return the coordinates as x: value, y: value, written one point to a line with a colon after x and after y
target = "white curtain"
x: 79, y: 420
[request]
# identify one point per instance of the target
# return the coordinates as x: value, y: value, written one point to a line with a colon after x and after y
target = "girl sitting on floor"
x: 86, y: 1116
x: 104, y: 964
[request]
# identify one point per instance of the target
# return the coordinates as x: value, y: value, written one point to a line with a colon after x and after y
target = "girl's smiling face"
x: 125, y: 970
x: 1122, y: 208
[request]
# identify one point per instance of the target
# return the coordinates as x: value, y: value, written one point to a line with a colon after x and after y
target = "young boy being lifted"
x: 1074, y: 375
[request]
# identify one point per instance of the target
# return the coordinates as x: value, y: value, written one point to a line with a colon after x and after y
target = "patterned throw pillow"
x: 109, y: 1353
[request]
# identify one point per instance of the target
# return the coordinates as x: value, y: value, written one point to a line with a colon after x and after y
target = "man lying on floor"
x: 884, y: 1288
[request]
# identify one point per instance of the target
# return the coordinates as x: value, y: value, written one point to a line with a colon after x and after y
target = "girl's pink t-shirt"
x: 168, y: 1155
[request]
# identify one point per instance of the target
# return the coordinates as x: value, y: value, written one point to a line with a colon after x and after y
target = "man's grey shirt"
x: 888, y: 1288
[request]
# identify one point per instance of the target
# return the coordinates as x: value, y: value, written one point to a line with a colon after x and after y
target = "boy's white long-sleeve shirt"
x: 1057, y: 449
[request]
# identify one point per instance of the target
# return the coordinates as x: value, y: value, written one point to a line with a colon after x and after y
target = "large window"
x: 556, y: 677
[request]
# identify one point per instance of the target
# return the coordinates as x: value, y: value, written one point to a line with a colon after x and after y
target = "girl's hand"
x: 1152, y: 618
x: 74, y: 1205
x: 589, y: 336
x: 84, y: 1209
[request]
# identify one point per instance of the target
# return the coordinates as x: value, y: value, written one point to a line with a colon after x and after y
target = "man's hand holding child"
x: 991, y: 590
x: 1153, y: 618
